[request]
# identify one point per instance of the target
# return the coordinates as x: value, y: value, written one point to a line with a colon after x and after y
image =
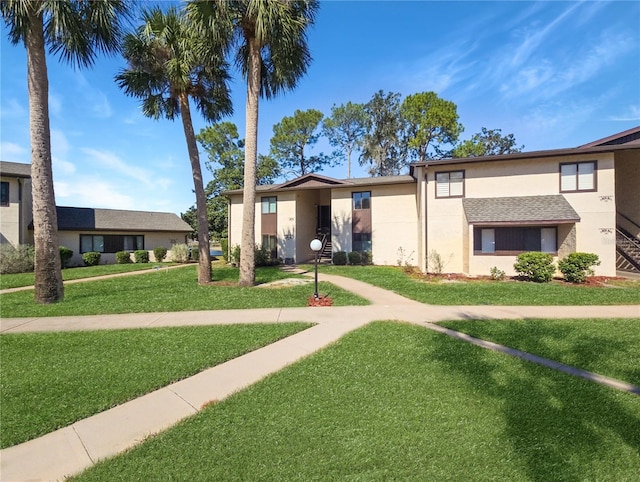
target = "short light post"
x: 316, y: 246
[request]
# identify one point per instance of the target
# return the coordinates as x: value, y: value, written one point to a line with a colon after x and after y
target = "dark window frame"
x: 507, y: 240
x: 577, y: 168
x: 450, y: 196
x: 270, y: 201
x: 360, y: 244
x: 112, y: 243
x: 5, y: 190
x: 360, y: 198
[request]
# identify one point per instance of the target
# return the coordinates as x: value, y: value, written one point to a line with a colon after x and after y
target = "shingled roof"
x: 553, y: 209
x: 15, y: 169
x: 89, y: 219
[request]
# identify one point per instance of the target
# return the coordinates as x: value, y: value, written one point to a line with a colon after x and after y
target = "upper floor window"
x: 450, y: 184
x: 269, y: 205
x: 4, y: 193
x: 578, y: 176
x: 362, y: 200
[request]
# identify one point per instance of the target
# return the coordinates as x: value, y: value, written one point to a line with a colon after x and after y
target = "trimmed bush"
x: 340, y: 258
x: 159, y: 253
x: 535, y: 266
x: 194, y: 253
x: 180, y: 253
x: 224, y: 245
x: 577, y: 266
x: 235, y: 255
x: 65, y: 255
x: 16, y: 260
x: 354, y: 258
x: 91, y: 258
x: 141, y: 256
x: 123, y: 257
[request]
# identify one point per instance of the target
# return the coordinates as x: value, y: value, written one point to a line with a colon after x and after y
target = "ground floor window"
x: 110, y: 243
x: 270, y: 243
x: 514, y: 240
x: 4, y: 193
x: 361, y: 242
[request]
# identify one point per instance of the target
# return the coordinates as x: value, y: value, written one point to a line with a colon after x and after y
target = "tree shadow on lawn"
x: 561, y: 427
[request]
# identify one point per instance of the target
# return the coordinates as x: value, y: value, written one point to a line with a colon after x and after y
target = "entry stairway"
x: 627, y: 251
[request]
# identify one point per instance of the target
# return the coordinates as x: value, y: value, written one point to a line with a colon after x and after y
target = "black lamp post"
x: 316, y: 246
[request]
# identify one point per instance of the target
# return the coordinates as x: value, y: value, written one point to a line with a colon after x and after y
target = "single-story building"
x: 466, y: 215
x: 106, y: 231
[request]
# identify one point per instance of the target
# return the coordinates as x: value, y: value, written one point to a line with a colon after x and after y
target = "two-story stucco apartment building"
x: 474, y: 213
x: 106, y: 231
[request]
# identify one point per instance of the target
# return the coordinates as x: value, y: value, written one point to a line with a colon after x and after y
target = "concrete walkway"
x: 71, y: 449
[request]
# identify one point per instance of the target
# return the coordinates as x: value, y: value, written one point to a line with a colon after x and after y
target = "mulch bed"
x: 319, y: 301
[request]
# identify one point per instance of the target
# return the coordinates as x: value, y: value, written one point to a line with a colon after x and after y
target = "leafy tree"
x: 488, y: 142
x: 290, y: 138
x: 226, y: 163
x: 345, y: 129
x: 269, y: 42
x: 384, y: 146
x: 76, y: 31
x: 431, y: 122
x: 168, y: 65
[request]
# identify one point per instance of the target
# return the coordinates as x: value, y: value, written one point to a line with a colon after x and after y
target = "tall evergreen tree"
x: 345, y: 129
x: 76, y: 31
x: 168, y: 66
x: 488, y: 142
x: 268, y: 39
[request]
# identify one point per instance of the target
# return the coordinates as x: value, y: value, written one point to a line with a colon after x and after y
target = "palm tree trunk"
x: 48, y: 274
x: 204, y: 258
x: 248, y: 240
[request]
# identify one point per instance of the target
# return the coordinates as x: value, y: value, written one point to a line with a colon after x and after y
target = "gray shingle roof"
x: 89, y: 219
x: 525, y: 209
x: 15, y: 169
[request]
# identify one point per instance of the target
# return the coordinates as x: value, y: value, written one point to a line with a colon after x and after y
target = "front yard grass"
x: 608, y: 347
x: 50, y: 380
x: 394, y: 401
x: 27, y: 279
x: 173, y: 290
x: 488, y: 292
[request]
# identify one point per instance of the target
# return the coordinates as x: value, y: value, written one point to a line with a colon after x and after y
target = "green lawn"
x: 50, y: 380
x: 487, y: 292
x: 172, y: 290
x: 394, y: 401
x: 26, y: 279
x: 608, y: 347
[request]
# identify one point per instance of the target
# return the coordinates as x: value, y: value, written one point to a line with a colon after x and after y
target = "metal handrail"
x: 627, y: 218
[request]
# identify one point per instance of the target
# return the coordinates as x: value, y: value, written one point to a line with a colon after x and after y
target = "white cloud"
x: 92, y: 192
x: 93, y: 99
x: 12, y: 109
x: 632, y: 113
x: 12, y: 152
x: 111, y: 162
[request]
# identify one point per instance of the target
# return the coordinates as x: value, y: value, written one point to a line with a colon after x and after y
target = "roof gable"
x: 631, y: 136
x: 311, y: 180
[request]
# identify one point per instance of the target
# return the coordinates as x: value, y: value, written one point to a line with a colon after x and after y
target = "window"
x: 4, y: 193
x: 450, y: 184
x: 269, y: 205
x: 514, y: 240
x: 361, y: 242
x: 578, y: 176
x: 110, y: 243
x: 362, y: 200
x: 270, y: 244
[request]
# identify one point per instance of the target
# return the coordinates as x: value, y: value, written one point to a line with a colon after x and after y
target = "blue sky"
x: 555, y: 74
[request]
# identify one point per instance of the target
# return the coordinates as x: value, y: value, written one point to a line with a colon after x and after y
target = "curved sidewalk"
x: 71, y: 449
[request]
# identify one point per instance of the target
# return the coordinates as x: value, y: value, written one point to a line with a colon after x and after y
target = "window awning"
x: 525, y: 210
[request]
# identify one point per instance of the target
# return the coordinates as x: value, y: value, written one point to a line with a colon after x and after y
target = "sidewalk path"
x: 71, y: 449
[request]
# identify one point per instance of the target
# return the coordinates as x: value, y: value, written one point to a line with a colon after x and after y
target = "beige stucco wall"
x: 71, y: 239
x: 15, y: 218
x: 451, y: 236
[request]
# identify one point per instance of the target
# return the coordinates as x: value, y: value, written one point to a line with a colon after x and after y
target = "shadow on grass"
x: 557, y: 424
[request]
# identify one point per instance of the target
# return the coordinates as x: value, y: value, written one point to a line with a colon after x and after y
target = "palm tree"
x: 269, y: 40
x: 168, y: 64
x: 76, y: 31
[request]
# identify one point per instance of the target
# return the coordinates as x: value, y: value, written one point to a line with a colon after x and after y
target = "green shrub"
x: 535, y: 266
x: 16, y: 260
x: 123, y: 257
x: 235, y: 255
x: 577, y: 266
x: 141, y: 256
x: 91, y: 258
x: 224, y: 246
x: 159, y: 253
x: 194, y: 253
x: 340, y: 258
x: 354, y: 258
x: 497, y: 274
x: 65, y: 255
x: 180, y: 253
x: 366, y: 257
